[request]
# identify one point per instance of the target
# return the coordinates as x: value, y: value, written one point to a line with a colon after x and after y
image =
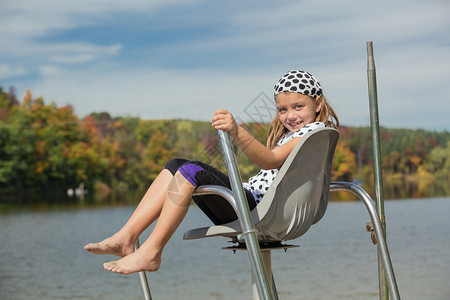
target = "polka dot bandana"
x: 298, y: 81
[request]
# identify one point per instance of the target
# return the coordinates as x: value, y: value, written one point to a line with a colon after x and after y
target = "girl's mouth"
x: 295, y: 124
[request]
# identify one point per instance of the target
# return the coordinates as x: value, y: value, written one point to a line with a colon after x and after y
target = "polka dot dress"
x: 260, y: 183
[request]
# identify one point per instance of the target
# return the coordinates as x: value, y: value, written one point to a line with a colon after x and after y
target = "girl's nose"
x: 291, y: 115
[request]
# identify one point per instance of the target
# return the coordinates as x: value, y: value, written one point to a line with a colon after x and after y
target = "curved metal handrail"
x: 217, y: 190
x: 378, y: 229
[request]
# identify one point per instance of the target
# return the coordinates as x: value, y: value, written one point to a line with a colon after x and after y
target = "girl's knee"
x: 174, y: 164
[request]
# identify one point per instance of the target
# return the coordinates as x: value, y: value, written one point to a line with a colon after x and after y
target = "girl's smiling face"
x: 296, y: 110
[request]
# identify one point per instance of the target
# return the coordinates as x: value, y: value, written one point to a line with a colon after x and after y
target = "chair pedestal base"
x: 267, y: 259
x: 266, y: 253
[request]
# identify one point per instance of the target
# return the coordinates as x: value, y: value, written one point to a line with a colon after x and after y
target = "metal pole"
x: 383, y: 252
x: 145, y: 288
x: 243, y: 212
x: 378, y: 177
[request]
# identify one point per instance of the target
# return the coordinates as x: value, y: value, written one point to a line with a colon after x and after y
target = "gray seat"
x: 296, y: 199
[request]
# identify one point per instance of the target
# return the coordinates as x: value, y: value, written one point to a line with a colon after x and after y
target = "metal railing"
x: 382, y: 248
x: 249, y: 233
x: 145, y: 288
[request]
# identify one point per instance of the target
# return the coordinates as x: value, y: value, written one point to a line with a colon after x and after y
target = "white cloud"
x: 152, y: 94
x: 24, y: 22
x: 51, y: 71
x: 8, y: 71
x: 73, y: 53
x: 73, y: 59
x: 254, y: 44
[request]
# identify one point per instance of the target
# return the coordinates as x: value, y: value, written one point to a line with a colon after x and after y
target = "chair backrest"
x: 298, y: 196
x: 296, y: 199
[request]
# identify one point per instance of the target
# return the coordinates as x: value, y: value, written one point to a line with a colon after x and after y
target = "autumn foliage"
x: 46, y: 146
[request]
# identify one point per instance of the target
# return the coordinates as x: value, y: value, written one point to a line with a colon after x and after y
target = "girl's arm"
x: 259, y: 154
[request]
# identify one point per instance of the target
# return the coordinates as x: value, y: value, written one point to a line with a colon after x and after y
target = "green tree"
x: 438, y: 162
x: 157, y: 153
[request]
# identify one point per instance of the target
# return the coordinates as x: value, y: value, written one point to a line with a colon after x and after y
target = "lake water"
x: 42, y: 257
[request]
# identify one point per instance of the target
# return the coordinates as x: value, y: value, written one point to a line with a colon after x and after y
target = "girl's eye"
x: 280, y: 110
x: 298, y: 106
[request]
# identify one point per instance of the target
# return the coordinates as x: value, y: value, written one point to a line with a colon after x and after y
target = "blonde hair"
x: 326, y: 115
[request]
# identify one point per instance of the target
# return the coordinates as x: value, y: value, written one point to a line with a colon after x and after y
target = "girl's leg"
x: 148, y: 210
x: 148, y: 256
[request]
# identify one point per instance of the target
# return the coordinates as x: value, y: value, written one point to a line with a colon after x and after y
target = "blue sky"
x: 186, y: 58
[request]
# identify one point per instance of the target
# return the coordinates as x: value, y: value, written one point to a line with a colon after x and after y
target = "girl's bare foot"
x: 136, y: 262
x: 112, y: 246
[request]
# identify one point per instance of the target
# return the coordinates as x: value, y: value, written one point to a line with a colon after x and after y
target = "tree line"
x: 44, y: 146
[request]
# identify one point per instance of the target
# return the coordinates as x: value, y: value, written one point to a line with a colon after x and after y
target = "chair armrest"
x: 224, y: 192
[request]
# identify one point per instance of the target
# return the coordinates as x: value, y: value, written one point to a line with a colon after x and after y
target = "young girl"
x: 301, y: 107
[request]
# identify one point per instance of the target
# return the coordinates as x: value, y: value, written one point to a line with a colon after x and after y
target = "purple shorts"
x: 214, y: 206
